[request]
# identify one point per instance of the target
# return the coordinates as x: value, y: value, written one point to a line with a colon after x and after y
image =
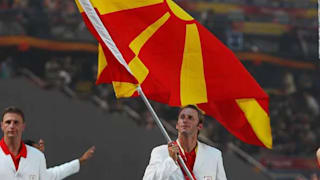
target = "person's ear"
x: 200, y: 126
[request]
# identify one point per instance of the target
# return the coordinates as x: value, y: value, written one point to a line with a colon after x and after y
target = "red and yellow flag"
x: 157, y: 45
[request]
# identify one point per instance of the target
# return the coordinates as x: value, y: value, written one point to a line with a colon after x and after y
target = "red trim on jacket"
x: 16, y: 159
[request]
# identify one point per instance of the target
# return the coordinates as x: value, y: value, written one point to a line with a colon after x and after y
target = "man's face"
x: 12, y: 125
x: 188, y: 122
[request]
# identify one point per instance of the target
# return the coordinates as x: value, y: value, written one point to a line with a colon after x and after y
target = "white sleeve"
x: 64, y: 170
x: 161, y: 167
x: 43, y: 168
x: 221, y: 175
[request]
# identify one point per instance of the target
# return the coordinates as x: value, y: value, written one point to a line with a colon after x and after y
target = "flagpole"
x: 106, y: 38
x: 162, y: 129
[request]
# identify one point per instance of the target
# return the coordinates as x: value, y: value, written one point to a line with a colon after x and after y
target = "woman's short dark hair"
x: 200, y: 114
x: 13, y: 109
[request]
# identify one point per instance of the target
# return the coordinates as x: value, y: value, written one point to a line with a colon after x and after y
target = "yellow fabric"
x: 143, y: 37
x: 79, y: 6
x: 123, y: 89
x: 193, y: 85
x: 178, y: 11
x: 258, y: 119
x: 102, y: 61
x: 109, y: 6
x: 139, y: 70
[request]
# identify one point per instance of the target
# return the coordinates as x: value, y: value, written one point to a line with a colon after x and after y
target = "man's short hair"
x: 13, y: 109
x: 200, y: 114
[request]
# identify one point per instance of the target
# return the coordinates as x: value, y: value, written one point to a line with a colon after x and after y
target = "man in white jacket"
x: 18, y: 161
x: 67, y: 169
x: 203, y: 161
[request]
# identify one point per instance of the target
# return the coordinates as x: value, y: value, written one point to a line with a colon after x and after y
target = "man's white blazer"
x: 64, y: 170
x: 208, y: 165
x: 33, y: 167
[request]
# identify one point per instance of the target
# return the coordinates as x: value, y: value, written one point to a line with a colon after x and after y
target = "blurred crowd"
x: 283, y: 32
x: 283, y: 27
x: 265, y: 3
x: 59, y: 19
x: 294, y: 94
x: 295, y: 113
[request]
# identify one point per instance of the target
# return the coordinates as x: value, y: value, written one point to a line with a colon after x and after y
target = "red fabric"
x: 226, y: 78
x: 16, y: 159
x: 114, y: 71
x: 189, y: 159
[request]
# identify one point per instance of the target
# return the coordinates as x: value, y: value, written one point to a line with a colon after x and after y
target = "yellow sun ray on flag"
x: 178, y: 62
